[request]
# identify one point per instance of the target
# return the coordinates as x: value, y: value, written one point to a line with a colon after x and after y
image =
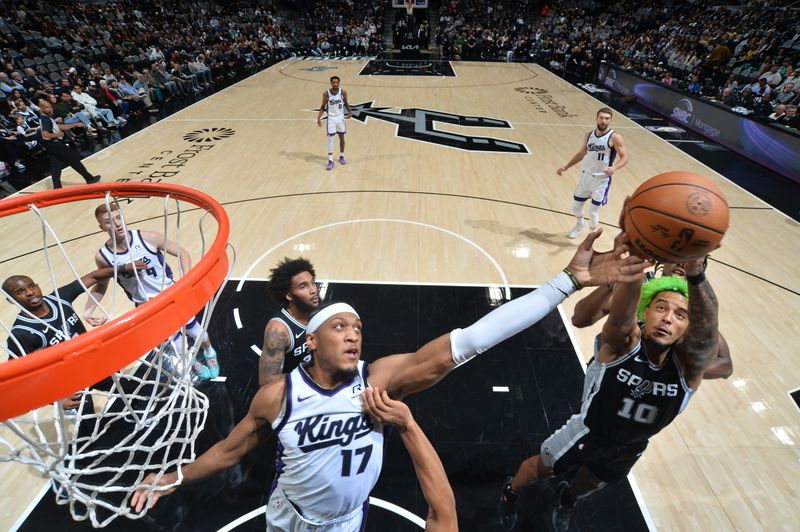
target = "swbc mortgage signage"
x: 768, y: 145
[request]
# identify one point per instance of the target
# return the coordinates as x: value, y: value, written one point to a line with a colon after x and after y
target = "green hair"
x: 669, y: 283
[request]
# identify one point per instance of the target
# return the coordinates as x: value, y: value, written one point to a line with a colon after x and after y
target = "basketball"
x: 676, y: 217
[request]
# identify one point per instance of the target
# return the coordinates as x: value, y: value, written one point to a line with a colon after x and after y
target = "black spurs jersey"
x: 32, y: 334
x: 631, y: 399
x: 297, y: 350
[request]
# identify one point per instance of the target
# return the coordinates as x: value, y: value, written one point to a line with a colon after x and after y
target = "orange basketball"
x: 676, y: 217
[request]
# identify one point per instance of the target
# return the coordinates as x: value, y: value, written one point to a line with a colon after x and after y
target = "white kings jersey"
x: 330, y: 452
x: 151, y: 281
x: 335, y: 104
x: 599, y: 154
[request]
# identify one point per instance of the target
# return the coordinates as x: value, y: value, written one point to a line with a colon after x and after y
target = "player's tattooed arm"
x: 699, y: 346
x: 276, y: 341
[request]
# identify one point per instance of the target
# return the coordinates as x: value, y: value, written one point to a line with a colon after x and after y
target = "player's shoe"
x: 330, y: 165
x: 563, y: 507
x: 341, y: 160
x: 507, y: 509
x: 577, y: 229
x: 211, y: 361
x: 201, y: 371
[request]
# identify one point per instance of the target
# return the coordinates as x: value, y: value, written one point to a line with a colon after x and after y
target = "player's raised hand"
x: 94, y: 321
x: 593, y: 268
x: 383, y: 409
x: 140, y: 495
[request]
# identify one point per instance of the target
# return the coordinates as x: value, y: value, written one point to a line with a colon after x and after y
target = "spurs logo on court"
x: 420, y: 124
x: 319, y: 431
x: 209, y: 134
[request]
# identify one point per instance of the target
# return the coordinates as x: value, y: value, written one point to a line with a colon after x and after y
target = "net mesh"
x: 142, y: 419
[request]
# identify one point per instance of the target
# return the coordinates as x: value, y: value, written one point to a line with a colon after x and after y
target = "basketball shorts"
x: 336, y: 125
x: 573, y: 445
x: 594, y: 187
x: 282, y: 516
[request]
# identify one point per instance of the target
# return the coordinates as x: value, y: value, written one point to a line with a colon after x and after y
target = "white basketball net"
x: 143, y: 419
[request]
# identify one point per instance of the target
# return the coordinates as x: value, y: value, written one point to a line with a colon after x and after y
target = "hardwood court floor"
x: 406, y: 210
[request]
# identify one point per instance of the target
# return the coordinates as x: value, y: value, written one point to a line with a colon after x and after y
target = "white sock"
x: 577, y: 209
x: 594, y: 216
x: 341, y: 154
x: 330, y: 148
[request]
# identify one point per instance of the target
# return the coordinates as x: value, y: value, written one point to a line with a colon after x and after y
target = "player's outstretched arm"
x: 96, y: 293
x: 427, y: 465
x: 593, y: 307
x: 276, y: 342
x: 244, y: 437
x: 401, y: 375
x: 107, y: 272
x: 698, y: 349
x: 621, y: 331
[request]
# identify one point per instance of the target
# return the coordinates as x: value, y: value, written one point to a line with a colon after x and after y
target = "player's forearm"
x: 624, y: 304
x: 700, y: 342
x: 621, y: 162
x: 431, y: 475
x: 269, y: 367
x: 95, y: 296
x: 591, y: 308
x: 578, y: 156
x: 510, y: 318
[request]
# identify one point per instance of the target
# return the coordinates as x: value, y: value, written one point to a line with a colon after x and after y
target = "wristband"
x: 696, y: 279
x: 572, y: 278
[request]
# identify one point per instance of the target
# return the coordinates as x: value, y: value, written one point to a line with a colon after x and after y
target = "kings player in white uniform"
x: 124, y: 247
x: 334, y: 101
x: 330, y: 450
x: 599, y: 154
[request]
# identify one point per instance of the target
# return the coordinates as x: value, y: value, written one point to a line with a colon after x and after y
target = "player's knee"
x: 577, y: 207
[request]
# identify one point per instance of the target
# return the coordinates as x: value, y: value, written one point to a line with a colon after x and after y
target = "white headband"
x: 325, y: 314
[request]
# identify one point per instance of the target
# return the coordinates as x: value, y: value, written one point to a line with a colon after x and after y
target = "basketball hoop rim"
x: 55, y: 372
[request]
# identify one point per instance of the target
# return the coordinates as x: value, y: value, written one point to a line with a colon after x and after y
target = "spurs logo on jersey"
x: 631, y: 399
x: 642, y: 387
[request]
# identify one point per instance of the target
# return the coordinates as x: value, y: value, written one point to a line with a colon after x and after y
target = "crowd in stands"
x: 747, y: 57
x: 105, y: 64
x: 343, y: 28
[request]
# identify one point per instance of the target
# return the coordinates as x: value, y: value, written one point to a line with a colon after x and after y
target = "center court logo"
x: 420, y: 125
x: 209, y: 134
x: 319, y: 68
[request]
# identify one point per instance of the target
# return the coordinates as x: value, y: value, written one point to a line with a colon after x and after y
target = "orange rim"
x: 55, y: 372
